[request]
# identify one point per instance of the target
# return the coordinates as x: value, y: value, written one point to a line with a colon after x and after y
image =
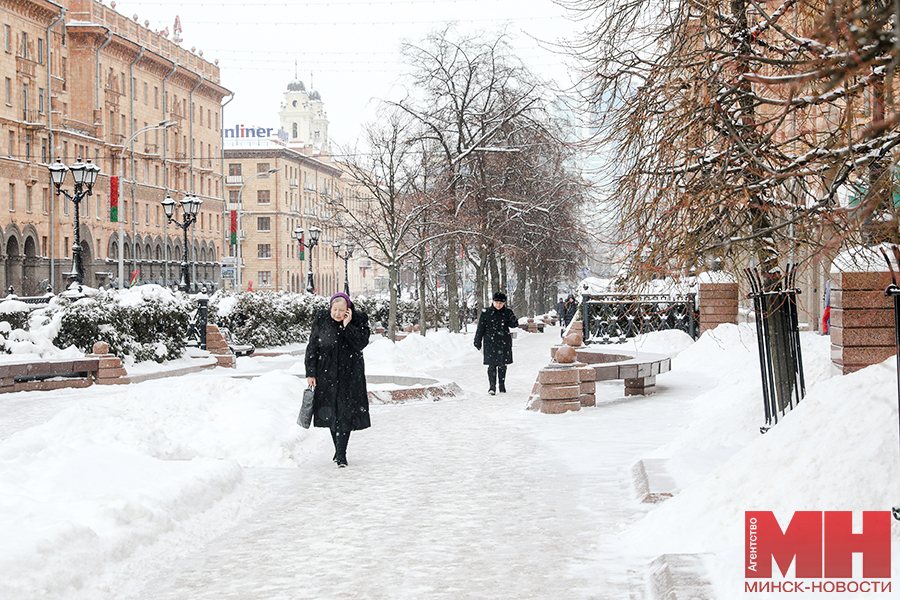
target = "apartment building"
x: 82, y: 81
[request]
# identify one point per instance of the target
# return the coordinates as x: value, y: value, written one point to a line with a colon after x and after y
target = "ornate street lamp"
x: 314, y: 233
x: 190, y: 206
x: 345, y: 257
x: 297, y: 234
x: 85, y: 176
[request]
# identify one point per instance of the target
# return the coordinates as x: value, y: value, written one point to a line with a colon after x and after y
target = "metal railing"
x: 613, y: 318
x: 778, y: 339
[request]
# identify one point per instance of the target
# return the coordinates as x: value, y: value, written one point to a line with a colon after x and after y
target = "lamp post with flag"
x: 297, y: 234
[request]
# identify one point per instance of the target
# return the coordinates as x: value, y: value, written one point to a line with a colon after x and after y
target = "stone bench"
x: 639, y: 370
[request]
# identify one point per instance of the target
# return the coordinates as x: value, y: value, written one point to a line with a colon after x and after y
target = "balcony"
x: 294, y: 184
x: 31, y: 116
x: 25, y: 67
x: 234, y: 180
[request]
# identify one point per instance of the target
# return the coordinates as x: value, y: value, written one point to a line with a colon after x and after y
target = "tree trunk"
x: 451, y: 284
x: 479, y: 282
x: 503, y: 280
x: 495, y: 273
x: 519, y: 296
x: 422, y: 295
x: 392, y: 311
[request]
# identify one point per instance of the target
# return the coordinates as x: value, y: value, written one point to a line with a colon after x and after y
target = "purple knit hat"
x: 341, y: 295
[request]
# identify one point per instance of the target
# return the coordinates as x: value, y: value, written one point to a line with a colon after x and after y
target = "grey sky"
x: 349, y: 46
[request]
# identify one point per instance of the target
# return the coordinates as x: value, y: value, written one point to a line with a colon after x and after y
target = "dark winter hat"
x: 499, y: 297
x: 341, y: 295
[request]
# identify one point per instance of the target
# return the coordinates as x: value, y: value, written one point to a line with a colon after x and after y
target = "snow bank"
x: 836, y: 451
x: 416, y: 354
x: 108, y: 476
x: 863, y: 259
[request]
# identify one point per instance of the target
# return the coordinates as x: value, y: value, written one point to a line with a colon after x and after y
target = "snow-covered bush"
x: 145, y: 323
x: 265, y: 319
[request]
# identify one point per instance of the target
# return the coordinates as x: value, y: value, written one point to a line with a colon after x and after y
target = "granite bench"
x: 638, y: 370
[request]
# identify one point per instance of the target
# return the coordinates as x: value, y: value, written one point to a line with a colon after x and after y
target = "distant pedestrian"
x: 561, y: 313
x: 826, y: 314
x: 493, y: 331
x: 571, y: 309
x: 335, y: 367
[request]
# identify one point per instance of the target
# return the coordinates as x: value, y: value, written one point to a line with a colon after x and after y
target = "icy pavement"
x: 468, y: 498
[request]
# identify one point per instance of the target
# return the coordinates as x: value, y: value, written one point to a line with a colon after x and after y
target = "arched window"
x: 294, y: 131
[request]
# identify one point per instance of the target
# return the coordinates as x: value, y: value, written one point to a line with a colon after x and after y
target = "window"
x: 27, y: 146
x: 99, y: 208
x: 40, y: 51
x: 24, y: 45
x: 263, y: 224
x: 232, y: 196
x: 147, y: 214
x: 134, y: 89
x: 7, y: 38
x: 265, y: 278
x: 45, y: 203
x: 262, y: 197
x: 66, y: 246
x: 28, y: 198
x: 87, y: 209
x: 64, y: 72
x: 8, y: 91
x: 233, y: 168
x: 156, y: 168
x: 146, y: 95
x: 262, y: 168
x: 264, y: 251
x: 44, y: 246
x: 12, y: 197
x: 41, y: 100
x: 155, y: 96
x: 44, y: 151
x: 124, y: 212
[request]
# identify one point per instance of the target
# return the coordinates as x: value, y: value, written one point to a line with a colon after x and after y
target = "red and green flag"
x: 234, y: 227
x: 114, y: 199
x: 135, y: 277
x: 302, y: 246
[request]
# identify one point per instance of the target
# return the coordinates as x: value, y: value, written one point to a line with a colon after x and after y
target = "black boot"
x: 501, y: 375
x: 340, y: 448
x: 492, y: 379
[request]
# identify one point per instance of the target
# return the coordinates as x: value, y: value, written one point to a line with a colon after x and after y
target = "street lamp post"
x: 314, y: 233
x: 345, y: 257
x: 240, y: 215
x: 297, y: 234
x: 161, y: 125
x: 190, y: 206
x: 85, y: 176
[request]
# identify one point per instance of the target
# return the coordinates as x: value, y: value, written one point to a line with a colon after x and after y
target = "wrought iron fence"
x: 613, y: 318
x: 778, y: 340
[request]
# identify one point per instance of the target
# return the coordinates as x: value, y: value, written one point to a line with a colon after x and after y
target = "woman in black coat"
x: 335, y: 367
x: 493, y: 329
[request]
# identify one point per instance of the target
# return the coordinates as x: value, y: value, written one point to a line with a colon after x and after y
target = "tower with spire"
x: 303, y: 116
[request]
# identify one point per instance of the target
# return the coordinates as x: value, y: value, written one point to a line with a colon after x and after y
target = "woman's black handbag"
x: 304, y: 419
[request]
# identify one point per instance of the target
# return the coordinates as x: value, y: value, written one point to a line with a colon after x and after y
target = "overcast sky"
x: 348, y: 48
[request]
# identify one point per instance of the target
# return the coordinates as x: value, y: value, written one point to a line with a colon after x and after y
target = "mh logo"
x: 821, y: 542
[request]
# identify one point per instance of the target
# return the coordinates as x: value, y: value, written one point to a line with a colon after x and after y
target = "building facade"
x: 277, y: 183
x: 82, y: 81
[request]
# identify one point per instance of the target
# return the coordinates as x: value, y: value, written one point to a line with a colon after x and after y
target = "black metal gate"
x: 613, y: 318
x: 778, y: 338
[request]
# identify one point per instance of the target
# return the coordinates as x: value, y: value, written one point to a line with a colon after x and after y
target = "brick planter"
x: 862, y: 320
x: 718, y: 304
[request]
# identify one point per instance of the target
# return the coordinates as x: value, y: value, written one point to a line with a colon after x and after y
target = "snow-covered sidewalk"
x: 468, y: 498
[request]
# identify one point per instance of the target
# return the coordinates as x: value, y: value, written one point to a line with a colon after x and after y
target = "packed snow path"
x: 467, y: 498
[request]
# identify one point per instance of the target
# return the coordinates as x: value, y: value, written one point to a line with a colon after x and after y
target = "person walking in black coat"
x: 336, y: 369
x: 571, y: 309
x: 493, y: 331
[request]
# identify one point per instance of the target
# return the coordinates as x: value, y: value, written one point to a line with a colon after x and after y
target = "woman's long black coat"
x: 493, y: 331
x: 334, y: 356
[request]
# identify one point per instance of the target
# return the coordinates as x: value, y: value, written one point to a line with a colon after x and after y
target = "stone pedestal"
x: 862, y: 320
x: 718, y: 303
x: 218, y: 347
x: 110, y: 370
